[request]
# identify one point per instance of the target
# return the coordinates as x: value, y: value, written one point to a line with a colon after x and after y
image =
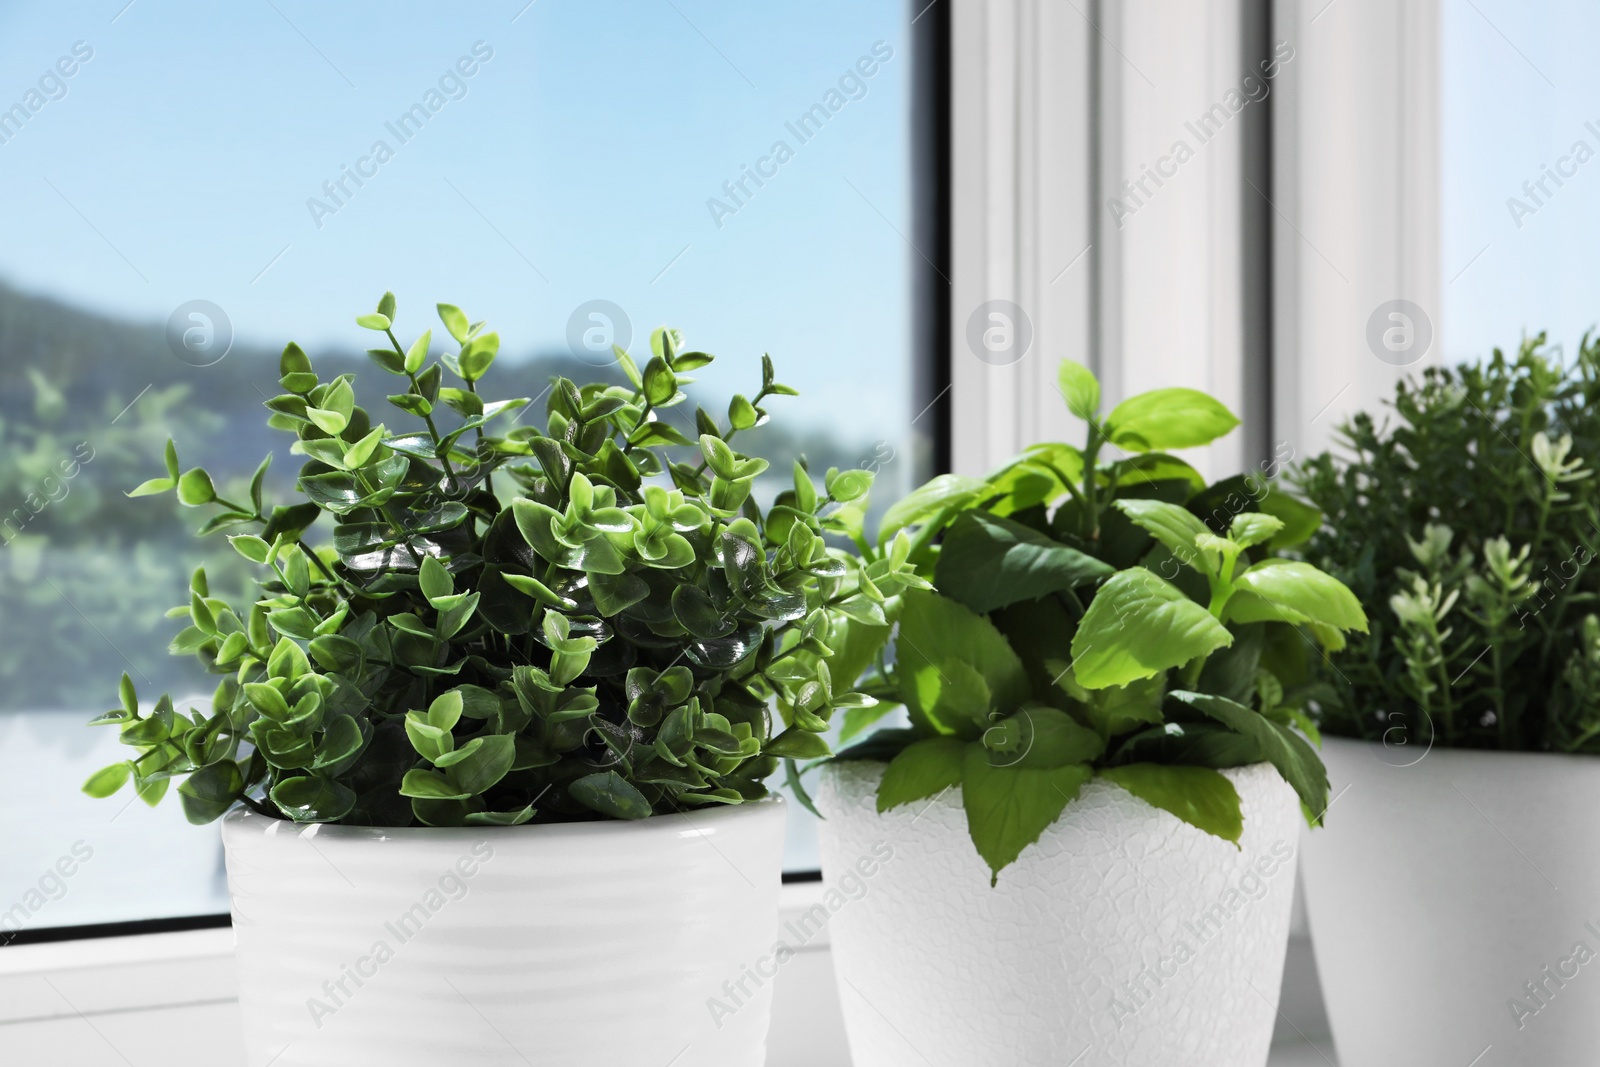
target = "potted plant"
x: 1093, y: 812
x: 490, y: 762
x: 1463, y: 722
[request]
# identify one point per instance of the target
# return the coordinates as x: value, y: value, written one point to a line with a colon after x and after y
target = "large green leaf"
x: 1198, y: 795
x: 1009, y: 807
x: 1041, y: 737
x: 923, y: 769
x: 1172, y: 525
x: 1303, y: 589
x: 942, y: 647
x: 922, y: 503
x: 988, y: 562
x: 1168, y: 418
x: 1138, y: 626
x: 1295, y: 759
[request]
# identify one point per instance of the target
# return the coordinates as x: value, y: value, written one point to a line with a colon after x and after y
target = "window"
x: 190, y: 187
x: 1520, y: 192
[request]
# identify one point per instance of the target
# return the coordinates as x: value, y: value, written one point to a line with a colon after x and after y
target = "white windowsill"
x: 112, y: 1001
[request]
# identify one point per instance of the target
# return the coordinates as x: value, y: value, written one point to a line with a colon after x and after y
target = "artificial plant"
x: 1103, y: 617
x: 1469, y: 522
x: 509, y: 623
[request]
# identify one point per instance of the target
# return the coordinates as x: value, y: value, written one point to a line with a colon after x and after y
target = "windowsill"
x: 85, y: 1002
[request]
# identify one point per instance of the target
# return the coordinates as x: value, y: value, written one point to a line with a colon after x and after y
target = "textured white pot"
x: 581, y: 945
x: 1432, y: 899
x: 1122, y: 937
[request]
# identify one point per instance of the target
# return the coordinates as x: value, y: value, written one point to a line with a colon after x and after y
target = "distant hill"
x: 85, y: 572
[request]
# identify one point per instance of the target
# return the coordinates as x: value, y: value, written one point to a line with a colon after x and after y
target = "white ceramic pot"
x: 1122, y: 937
x: 594, y: 944
x: 1438, y: 926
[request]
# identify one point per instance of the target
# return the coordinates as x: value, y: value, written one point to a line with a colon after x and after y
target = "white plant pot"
x: 1122, y: 937
x: 596, y: 943
x: 1432, y: 899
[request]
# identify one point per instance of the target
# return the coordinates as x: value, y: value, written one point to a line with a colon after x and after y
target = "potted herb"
x: 490, y: 761
x: 1464, y: 723
x: 1093, y: 813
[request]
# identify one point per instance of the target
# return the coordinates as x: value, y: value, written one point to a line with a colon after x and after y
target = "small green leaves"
x: 294, y: 370
x: 477, y: 355
x: 456, y: 652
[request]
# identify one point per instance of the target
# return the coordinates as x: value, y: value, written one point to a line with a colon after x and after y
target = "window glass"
x: 1520, y: 175
x: 188, y: 186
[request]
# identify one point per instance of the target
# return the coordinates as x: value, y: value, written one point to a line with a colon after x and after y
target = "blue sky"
x: 576, y: 167
x: 1519, y: 85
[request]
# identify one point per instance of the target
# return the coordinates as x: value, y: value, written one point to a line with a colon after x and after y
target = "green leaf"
x: 373, y: 321
x: 313, y: 798
x: 209, y: 792
x: 795, y: 743
x: 946, y: 492
x: 942, y: 646
x: 1041, y: 737
x: 1168, y: 418
x: 477, y: 355
x: 455, y: 321
x: 848, y: 485
x: 614, y: 593
x: 1175, y: 527
x: 1254, y: 527
x: 417, y: 354
x: 1300, y: 520
x: 988, y: 562
x: 484, y: 768
x: 1286, y: 750
x: 1009, y: 807
x: 328, y: 421
x: 1198, y: 795
x: 386, y: 305
x: 153, y: 486
x: 250, y: 547
x: 742, y: 414
x: 107, y: 780
x: 195, y: 488
x: 1138, y: 626
x: 1080, y: 388
x: 1306, y: 591
x: 435, y: 579
x: 1117, y: 709
x: 922, y: 769
x: 610, y: 794
x: 429, y: 785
